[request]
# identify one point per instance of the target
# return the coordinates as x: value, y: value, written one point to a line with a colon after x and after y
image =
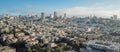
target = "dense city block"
x: 53, y: 33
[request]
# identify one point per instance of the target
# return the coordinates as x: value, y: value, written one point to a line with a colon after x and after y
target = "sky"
x: 101, y: 8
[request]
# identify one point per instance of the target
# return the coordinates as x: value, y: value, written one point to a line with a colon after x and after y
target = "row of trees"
x: 41, y: 48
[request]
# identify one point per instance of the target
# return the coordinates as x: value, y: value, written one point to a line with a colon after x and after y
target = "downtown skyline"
x: 101, y: 8
x: 59, y: 26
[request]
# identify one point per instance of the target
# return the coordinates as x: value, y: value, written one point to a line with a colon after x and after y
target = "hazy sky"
x: 104, y: 8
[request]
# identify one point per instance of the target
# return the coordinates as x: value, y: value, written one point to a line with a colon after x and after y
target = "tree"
x: 62, y: 44
x: 60, y: 49
x: 47, y: 49
x: 67, y: 48
x: 29, y: 50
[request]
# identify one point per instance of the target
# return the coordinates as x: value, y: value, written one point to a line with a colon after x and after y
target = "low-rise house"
x: 103, y: 45
x: 50, y: 45
x: 10, y: 36
x: 19, y: 34
x: 6, y: 36
x: 3, y: 37
x: 45, y: 41
x: 25, y: 37
x: 7, y: 49
x: 12, y: 40
x: 31, y: 41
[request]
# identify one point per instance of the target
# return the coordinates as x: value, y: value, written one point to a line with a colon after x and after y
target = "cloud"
x: 103, y: 8
x: 26, y: 10
x: 88, y: 11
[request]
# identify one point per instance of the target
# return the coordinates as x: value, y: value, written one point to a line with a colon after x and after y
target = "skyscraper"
x: 5, y: 15
x: 42, y: 16
x: 114, y: 17
x: 19, y: 18
x: 51, y: 16
x: 55, y: 14
x: 65, y: 15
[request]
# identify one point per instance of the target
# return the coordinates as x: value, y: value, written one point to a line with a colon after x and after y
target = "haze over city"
x: 59, y: 26
x: 101, y: 8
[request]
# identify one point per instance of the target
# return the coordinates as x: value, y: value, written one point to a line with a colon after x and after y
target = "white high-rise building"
x: 6, y: 15
x: 51, y: 16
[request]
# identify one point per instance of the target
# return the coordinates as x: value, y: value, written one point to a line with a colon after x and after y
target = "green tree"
x: 60, y: 49
x: 62, y: 44
x: 67, y: 48
x: 29, y: 50
x: 47, y: 49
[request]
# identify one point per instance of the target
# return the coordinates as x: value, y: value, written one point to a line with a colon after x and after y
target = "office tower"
x: 19, y: 18
x: 114, y: 17
x: 14, y: 31
x: 65, y: 15
x: 29, y: 15
x: 51, y: 16
x: 42, y: 16
x: 5, y: 15
x: 36, y: 16
x: 55, y: 14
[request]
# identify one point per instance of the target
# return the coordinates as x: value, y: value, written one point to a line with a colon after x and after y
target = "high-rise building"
x: 65, y: 15
x: 55, y: 14
x: 5, y: 15
x: 42, y: 16
x: 114, y: 17
x: 51, y: 16
x: 14, y: 31
x: 19, y: 18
